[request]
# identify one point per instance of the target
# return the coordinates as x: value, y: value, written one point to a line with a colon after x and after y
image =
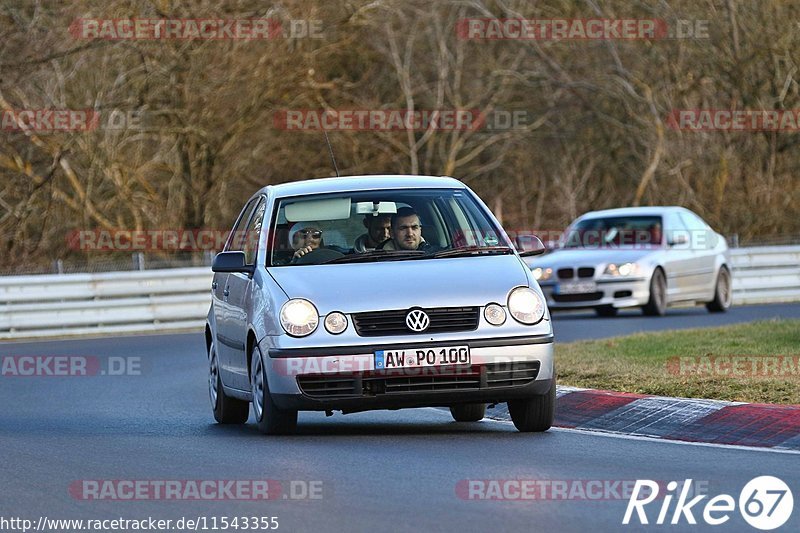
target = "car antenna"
x: 330, y: 149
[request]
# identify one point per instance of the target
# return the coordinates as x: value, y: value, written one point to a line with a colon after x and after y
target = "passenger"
x: 378, y: 231
x: 407, y: 232
x: 305, y: 237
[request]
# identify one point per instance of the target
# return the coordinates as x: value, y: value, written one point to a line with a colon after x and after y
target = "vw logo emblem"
x: 417, y: 320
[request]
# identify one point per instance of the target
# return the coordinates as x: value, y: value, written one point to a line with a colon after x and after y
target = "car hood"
x: 446, y: 282
x: 592, y: 257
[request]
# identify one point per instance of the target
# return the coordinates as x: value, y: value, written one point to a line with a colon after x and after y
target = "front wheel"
x: 657, y: 303
x: 534, y: 414
x: 469, y: 412
x: 271, y: 419
x: 227, y: 410
x: 722, y: 293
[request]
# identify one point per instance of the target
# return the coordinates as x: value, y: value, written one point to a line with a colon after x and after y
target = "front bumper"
x: 614, y: 293
x: 501, y: 369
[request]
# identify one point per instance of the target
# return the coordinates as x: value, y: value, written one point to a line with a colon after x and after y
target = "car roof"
x: 633, y: 211
x: 360, y: 183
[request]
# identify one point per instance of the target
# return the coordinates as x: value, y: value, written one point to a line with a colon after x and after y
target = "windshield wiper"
x: 474, y: 250
x: 378, y: 255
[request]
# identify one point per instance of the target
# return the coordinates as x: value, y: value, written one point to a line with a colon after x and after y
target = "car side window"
x: 236, y: 239
x: 253, y: 232
x: 700, y: 233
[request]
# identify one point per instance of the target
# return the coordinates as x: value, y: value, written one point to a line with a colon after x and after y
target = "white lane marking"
x: 598, y: 433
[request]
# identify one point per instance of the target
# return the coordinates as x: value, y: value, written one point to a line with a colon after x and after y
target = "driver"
x: 305, y: 237
x: 407, y: 232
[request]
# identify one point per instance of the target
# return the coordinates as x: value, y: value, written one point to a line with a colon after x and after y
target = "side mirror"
x: 231, y: 262
x: 529, y: 245
x: 678, y: 239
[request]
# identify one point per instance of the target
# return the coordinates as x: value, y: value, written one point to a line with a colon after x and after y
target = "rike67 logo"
x: 765, y: 503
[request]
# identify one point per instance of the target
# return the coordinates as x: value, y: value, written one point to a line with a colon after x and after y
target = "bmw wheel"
x: 723, y: 295
x: 657, y: 304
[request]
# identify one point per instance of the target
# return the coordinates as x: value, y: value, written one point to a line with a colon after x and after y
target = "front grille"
x: 443, y: 320
x: 586, y: 272
x: 565, y: 273
x: 587, y: 297
x: 426, y: 379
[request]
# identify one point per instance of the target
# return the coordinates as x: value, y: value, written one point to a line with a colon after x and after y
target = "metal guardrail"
x: 178, y: 299
x: 107, y: 303
x: 766, y: 274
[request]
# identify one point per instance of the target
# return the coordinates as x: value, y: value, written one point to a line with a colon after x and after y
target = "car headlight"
x: 299, y: 317
x: 525, y: 305
x: 335, y: 322
x: 494, y: 314
x: 622, y: 269
x: 542, y: 274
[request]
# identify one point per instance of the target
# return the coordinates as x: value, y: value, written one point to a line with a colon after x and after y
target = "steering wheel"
x: 315, y: 257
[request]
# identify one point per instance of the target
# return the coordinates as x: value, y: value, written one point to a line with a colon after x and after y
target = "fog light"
x: 335, y: 322
x: 494, y: 314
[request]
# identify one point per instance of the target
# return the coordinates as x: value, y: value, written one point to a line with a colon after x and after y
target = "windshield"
x: 615, y: 232
x: 387, y: 225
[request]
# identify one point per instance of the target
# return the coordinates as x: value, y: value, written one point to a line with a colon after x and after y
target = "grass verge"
x: 754, y: 362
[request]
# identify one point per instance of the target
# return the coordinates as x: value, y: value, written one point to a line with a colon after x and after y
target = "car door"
x: 677, y: 258
x: 240, y: 287
x: 702, y: 239
x: 223, y: 312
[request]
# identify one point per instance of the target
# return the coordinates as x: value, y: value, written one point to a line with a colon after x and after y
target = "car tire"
x: 536, y: 413
x: 722, y: 293
x: 657, y: 303
x: 271, y: 419
x: 468, y: 412
x: 606, y: 310
x: 227, y: 410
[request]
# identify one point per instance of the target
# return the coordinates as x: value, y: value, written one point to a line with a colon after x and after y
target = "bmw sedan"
x: 376, y: 292
x: 648, y: 257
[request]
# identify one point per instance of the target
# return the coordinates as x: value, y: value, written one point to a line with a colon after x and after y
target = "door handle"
x: 214, y: 286
x: 226, y: 292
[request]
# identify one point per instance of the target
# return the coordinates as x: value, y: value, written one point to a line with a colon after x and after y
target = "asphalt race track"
x: 384, y: 471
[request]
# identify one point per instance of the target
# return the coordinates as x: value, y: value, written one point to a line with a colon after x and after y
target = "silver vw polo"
x: 376, y: 292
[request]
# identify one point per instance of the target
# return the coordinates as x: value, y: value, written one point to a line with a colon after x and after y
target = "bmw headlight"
x: 299, y: 317
x: 335, y: 322
x: 542, y: 274
x: 622, y: 269
x: 525, y: 305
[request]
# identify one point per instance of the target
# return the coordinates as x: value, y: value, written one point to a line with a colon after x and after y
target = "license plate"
x: 580, y: 287
x: 421, y: 357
